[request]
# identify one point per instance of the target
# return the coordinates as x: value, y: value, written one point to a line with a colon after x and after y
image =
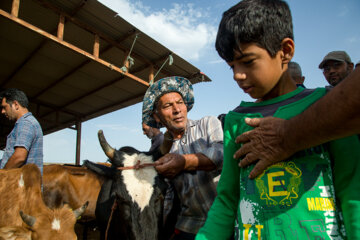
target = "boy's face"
x: 257, y: 73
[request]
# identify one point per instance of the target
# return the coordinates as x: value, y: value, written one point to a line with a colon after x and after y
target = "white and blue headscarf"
x: 177, y: 84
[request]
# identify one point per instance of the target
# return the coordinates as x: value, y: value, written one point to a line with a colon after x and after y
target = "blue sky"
x: 188, y: 28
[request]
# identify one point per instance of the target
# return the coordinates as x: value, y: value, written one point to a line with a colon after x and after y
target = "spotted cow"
x: 130, y: 202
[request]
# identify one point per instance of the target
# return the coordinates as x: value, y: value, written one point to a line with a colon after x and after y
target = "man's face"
x: 147, y: 130
x: 171, y: 111
x: 336, y: 71
x: 8, y: 110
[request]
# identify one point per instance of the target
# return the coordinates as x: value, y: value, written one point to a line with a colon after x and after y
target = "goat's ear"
x: 167, y: 143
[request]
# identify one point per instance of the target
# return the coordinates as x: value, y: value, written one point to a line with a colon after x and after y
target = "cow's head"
x: 53, y: 224
x: 117, y: 157
x: 139, y: 192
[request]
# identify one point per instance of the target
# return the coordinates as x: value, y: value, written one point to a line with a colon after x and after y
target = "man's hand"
x: 266, y: 144
x: 170, y: 165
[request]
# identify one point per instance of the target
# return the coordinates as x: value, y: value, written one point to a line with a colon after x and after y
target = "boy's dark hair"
x: 12, y: 94
x: 264, y: 22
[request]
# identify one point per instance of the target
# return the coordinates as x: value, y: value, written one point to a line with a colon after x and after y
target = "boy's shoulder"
x: 269, y: 108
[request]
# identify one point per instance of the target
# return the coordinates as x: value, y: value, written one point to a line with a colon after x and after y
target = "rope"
x: 170, y: 59
x: 113, y: 208
x: 128, y: 58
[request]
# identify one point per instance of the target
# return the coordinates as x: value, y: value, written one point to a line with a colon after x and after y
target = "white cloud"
x: 216, y: 61
x: 343, y: 11
x: 182, y: 28
x: 352, y: 40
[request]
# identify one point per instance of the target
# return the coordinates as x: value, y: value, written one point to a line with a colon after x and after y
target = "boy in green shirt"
x: 294, y: 199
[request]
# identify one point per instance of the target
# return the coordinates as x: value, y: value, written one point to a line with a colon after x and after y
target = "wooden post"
x: 60, y: 32
x: 78, y: 142
x: 126, y: 62
x: 15, y: 8
x: 96, y: 46
x: 151, y: 74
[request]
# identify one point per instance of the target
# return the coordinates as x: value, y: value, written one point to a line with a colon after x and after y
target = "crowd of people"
x: 288, y: 161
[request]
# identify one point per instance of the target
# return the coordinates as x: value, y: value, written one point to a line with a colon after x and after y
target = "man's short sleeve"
x: 25, y: 134
x: 214, y: 151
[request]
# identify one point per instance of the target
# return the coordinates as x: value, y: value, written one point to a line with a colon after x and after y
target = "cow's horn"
x: 108, y: 150
x: 166, y: 145
x: 80, y: 210
x: 29, y: 220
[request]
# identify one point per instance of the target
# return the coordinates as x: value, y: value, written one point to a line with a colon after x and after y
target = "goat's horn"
x: 108, y: 150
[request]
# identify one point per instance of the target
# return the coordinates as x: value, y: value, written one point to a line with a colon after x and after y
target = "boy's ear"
x: 288, y: 49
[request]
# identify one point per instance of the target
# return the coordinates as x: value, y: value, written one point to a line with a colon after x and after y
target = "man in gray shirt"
x: 195, y: 159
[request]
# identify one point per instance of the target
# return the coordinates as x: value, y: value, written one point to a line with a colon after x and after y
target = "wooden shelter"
x: 77, y: 60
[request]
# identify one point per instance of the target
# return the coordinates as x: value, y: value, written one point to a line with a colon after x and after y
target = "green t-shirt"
x: 294, y: 199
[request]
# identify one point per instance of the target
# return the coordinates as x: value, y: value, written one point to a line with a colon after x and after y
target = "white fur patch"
x: 139, y: 183
x: 55, y: 225
x: 21, y: 181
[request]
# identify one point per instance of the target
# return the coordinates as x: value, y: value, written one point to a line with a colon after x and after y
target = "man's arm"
x: 172, y: 164
x: 17, y: 159
x: 334, y: 116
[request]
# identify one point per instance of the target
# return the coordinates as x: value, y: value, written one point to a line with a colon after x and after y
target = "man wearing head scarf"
x: 196, y: 157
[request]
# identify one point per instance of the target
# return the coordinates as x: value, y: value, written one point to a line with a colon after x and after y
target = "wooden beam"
x: 75, y: 69
x: 139, y: 69
x: 15, y: 8
x: 54, y: 108
x: 71, y: 47
x: 96, y: 46
x: 61, y: 25
x: 91, y: 115
x: 40, y: 46
x: 90, y: 29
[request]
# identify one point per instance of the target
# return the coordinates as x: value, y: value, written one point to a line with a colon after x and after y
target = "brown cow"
x: 72, y: 185
x: 23, y: 210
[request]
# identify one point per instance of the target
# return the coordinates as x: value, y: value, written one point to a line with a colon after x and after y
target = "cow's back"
x: 72, y: 185
x: 18, y: 189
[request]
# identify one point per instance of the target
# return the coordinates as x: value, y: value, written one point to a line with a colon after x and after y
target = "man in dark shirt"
x: 156, y: 136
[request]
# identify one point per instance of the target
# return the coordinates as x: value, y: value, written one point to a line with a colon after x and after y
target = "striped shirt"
x: 197, y: 189
x: 26, y: 133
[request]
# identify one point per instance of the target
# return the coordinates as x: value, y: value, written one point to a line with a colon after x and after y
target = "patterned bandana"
x: 159, y: 88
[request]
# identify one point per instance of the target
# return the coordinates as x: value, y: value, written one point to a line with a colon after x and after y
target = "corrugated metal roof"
x: 61, y: 74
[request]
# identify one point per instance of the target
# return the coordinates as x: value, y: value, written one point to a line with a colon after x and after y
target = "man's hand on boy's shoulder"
x: 265, y: 145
